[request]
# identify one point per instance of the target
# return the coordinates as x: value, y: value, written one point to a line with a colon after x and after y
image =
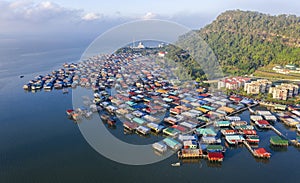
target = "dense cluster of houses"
x: 143, y: 95
x: 146, y: 100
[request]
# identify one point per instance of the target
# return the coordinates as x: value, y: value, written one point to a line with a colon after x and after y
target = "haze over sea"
x: 38, y: 143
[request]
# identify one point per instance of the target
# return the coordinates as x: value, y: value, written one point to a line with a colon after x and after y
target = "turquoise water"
x: 38, y: 143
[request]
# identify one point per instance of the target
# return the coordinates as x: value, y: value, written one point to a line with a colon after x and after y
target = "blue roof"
x: 139, y: 106
x: 202, y: 102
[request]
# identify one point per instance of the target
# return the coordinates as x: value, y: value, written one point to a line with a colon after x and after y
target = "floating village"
x: 136, y: 93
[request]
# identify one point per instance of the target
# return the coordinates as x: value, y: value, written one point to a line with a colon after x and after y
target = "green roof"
x: 206, y: 131
x: 244, y: 127
x: 208, y: 107
x: 138, y: 120
x: 214, y: 147
x: 171, y: 130
x: 171, y: 142
x: 173, y: 93
x: 280, y: 106
x: 203, y: 118
x: 130, y: 103
x: 223, y: 123
x: 278, y: 140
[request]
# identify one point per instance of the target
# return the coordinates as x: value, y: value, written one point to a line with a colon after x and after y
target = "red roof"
x: 130, y: 125
x: 180, y: 128
x: 261, y: 151
x: 204, y: 95
x: 235, y: 98
x: 263, y: 122
x: 157, y: 107
x: 131, y: 93
x: 217, y: 155
x: 173, y: 97
x: 232, y: 82
x: 207, y: 115
x: 249, y: 132
x: 125, y: 98
x: 230, y: 131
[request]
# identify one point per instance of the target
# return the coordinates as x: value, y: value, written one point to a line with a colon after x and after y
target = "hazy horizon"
x: 91, y: 18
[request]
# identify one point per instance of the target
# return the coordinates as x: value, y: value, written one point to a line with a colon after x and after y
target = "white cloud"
x: 48, y: 5
x: 27, y: 11
x: 19, y: 4
x: 91, y: 16
x: 149, y: 15
x: 32, y: 17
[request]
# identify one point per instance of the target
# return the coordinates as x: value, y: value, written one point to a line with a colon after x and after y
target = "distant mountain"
x: 248, y: 40
x: 244, y: 41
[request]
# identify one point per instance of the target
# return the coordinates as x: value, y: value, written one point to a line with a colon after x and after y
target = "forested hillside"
x: 244, y: 41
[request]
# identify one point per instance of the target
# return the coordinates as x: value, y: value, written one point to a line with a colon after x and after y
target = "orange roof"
x: 162, y: 91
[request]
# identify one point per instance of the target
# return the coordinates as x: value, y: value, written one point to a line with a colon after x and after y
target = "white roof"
x: 187, y: 124
x: 264, y: 112
x: 186, y: 137
x: 256, y: 117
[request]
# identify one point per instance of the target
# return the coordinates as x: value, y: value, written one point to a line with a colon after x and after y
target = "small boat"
x: 176, y: 164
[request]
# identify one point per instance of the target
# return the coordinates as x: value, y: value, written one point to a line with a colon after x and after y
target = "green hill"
x: 244, y: 41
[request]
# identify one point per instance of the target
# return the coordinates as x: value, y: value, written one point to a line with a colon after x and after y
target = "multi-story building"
x: 259, y: 86
x: 233, y: 82
x: 284, y: 91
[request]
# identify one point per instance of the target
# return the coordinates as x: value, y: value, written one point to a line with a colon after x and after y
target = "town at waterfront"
x: 136, y: 92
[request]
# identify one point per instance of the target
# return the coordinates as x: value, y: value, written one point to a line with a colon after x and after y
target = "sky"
x: 96, y: 16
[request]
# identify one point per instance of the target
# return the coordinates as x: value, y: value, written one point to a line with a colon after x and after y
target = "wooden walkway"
x: 278, y: 132
x: 291, y: 142
x: 243, y: 109
x: 249, y: 148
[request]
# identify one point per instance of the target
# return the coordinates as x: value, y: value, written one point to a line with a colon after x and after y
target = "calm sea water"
x: 39, y: 144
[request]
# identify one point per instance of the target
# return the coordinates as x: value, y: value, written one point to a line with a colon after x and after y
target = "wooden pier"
x: 243, y: 109
x: 249, y: 147
x: 258, y: 153
x: 291, y: 142
x: 278, y: 132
